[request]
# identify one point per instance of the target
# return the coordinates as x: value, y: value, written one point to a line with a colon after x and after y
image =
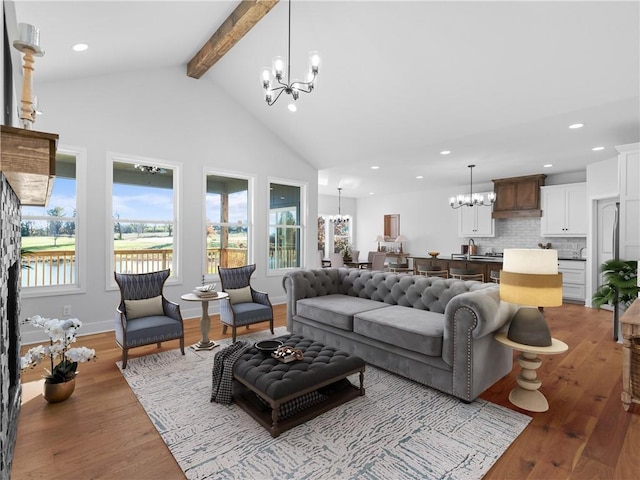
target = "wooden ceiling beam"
x: 241, y: 20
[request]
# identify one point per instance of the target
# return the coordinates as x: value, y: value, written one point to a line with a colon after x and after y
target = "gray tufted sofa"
x: 435, y: 331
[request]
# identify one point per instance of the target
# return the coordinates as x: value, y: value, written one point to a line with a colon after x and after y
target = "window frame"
x: 251, y: 182
x: 302, y: 226
x: 79, y: 286
x: 176, y: 274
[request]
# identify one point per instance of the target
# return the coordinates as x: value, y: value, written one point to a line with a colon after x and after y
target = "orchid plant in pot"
x: 62, y: 333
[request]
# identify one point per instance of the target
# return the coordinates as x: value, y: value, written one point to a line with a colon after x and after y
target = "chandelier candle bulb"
x: 278, y: 67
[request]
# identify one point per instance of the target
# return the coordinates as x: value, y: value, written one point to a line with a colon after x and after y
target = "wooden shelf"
x: 28, y: 161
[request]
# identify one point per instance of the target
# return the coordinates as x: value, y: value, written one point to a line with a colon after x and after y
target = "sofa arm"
x: 476, y: 358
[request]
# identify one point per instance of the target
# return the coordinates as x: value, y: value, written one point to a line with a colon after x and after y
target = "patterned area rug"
x: 398, y: 430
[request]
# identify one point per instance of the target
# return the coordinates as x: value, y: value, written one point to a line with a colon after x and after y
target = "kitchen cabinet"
x: 476, y: 221
x: 573, y: 279
x: 518, y: 196
x: 564, y: 210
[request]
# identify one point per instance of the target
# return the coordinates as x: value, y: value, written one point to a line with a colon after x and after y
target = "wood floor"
x: 102, y: 432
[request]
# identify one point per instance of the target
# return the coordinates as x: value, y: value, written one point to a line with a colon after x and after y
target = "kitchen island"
x: 476, y: 264
x: 572, y: 269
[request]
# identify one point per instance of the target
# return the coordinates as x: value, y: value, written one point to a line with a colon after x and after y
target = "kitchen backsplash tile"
x: 525, y: 233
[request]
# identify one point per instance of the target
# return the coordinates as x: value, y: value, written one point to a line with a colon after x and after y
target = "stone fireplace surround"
x: 10, y: 389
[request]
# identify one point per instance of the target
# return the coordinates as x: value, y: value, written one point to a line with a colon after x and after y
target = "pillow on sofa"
x: 146, y: 307
x: 240, y: 295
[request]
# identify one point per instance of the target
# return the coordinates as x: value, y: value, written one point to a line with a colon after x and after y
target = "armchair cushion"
x: 240, y: 295
x: 146, y: 307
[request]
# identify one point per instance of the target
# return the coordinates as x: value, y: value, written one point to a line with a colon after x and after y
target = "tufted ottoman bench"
x: 268, y: 389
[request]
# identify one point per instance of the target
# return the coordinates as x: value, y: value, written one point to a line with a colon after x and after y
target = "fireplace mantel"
x: 28, y: 161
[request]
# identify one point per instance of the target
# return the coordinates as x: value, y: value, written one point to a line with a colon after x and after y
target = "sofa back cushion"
x: 417, y: 291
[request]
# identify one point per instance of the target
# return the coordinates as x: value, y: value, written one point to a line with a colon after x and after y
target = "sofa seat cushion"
x: 420, y: 331
x: 336, y: 310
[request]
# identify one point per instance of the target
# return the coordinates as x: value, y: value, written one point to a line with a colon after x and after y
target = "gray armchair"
x: 244, y: 306
x: 144, y: 316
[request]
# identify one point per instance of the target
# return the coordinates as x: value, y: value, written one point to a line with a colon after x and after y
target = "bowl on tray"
x: 434, y: 254
x: 268, y: 346
x: 206, y: 290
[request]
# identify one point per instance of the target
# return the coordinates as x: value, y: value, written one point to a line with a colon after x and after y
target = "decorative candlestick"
x: 29, y: 45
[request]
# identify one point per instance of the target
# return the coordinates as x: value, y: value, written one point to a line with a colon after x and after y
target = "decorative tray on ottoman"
x: 286, y: 354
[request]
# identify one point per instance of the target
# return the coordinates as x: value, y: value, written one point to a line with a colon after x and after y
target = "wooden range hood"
x: 518, y: 197
x: 28, y: 161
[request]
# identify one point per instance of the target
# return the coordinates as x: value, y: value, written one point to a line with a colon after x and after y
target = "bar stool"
x: 433, y: 271
x: 463, y: 274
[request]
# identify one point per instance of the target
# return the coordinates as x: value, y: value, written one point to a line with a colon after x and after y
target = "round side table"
x: 526, y: 395
x: 205, y: 321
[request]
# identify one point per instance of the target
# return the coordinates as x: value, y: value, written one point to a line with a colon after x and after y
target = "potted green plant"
x: 621, y: 284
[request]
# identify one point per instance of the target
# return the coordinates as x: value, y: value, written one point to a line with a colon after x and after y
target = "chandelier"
x: 272, y: 92
x: 473, y: 199
x: 149, y: 168
x: 340, y: 220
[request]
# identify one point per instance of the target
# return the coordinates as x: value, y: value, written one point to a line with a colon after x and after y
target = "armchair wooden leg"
x: 224, y: 328
x: 271, y: 326
x: 182, y: 345
x: 233, y: 334
x: 125, y: 357
x: 159, y: 343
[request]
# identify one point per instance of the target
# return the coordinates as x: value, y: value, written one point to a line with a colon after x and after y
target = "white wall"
x: 426, y: 219
x: 163, y: 115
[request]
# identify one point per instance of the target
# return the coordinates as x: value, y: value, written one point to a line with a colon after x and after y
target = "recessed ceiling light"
x: 576, y: 125
x: 371, y: 193
x: 597, y: 149
x: 548, y: 165
x: 80, y: 47
x: 292, y: 107
x: 445, y: 152
x: 375, y: 167
x: 419, y: 177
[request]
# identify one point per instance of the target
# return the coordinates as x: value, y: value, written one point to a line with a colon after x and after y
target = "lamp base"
x: 529, y: 327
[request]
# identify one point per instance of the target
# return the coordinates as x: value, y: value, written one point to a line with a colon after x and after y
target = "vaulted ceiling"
x: 495, y: 83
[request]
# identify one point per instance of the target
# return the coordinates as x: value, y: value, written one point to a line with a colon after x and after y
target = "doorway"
x: 606, y: 212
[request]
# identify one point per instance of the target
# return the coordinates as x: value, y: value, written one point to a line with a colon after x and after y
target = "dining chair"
x: 144, y: 316
x: 377, y: 262
x: 336, y: 260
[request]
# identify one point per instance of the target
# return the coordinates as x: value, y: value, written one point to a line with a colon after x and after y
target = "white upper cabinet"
x: 476, y: 222
x: 564, y: 210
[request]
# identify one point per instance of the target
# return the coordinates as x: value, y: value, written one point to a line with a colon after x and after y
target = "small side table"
x: 526, y: 394
x: 205, y: 321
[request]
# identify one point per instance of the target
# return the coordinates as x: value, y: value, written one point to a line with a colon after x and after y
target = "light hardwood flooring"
x: 102, y: 432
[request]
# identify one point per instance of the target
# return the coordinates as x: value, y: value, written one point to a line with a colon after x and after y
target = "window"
x: 333, y: 238
x: 227, y: 221
x: 285, y: 226
x: 51, y: 239
x: 143, y: 215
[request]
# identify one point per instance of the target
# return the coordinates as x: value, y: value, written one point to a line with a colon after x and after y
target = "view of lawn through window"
x: 49, y: 233
x: 284, y: 226
x: 227, y: 211
x: 143, y: 217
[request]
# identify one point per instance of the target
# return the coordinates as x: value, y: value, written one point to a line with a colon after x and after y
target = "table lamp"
x: 529, y: 277
x: 379, y: 239
x: 400, y: 239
